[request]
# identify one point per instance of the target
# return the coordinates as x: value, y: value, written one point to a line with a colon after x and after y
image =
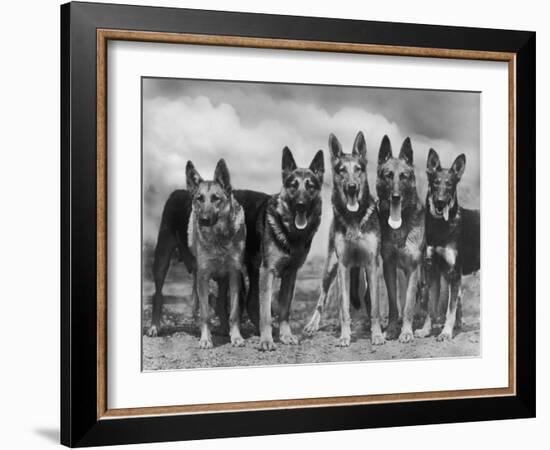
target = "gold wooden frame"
x: 104, y: 35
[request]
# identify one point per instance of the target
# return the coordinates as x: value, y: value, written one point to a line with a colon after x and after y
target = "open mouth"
x: 394, y: 220
x: 300, y: 220
x: 443, y: 212
x: 352, y: 204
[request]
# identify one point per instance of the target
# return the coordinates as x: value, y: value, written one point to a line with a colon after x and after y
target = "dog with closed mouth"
x: 172, y: 240
x: 216, y: 238
x: 452, y: 239
x: 402, y: 222
x: 287, y: 226
x: 354, y: 240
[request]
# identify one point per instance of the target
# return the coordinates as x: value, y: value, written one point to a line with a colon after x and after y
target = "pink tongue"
x: 395, y: 215
x: 300, y: 221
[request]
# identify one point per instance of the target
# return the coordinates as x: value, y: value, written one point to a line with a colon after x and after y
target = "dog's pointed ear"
x: 317, y: 165
x: 288, y: 164
x: 385, y: 151
x: 433, y: 164
x: 221, y: 175
x: 406, y: 153
x: 334, y: 147
x: 360, y: 146
x: 193, y: 177
x: 459, y: 165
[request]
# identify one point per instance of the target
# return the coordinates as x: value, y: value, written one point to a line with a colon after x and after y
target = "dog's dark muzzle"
x: 207, y: 221
x: 439, y: 205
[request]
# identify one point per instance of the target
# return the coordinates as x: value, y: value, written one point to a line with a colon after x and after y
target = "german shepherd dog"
x: 172, y: 240
x: 452, y: 238
x: 354, y: 240
x: 216, y: 236
x: 287, y: 227
x: 402, y: 222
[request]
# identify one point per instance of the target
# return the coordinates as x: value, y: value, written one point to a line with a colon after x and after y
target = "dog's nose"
x: 300, y: 205
x: 395, y: 197
x: 352, y: 187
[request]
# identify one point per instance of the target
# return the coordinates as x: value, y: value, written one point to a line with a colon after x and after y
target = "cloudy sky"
x: 248, y: 124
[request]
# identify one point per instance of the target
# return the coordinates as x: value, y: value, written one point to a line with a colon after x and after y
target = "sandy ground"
x: 177, y: 346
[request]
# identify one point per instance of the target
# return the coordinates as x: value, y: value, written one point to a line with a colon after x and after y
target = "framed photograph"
x: 276, y: 224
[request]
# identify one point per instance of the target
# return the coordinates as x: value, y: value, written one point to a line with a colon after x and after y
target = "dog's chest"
x: 354, y: 247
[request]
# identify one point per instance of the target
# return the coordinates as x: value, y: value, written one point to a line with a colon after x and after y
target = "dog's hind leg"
x: 345, y: 318
x: 222, y: 303
x: 330, y: 269
x: 234, y: 315
x: 371, y: 277
x: 286, y: 294
x: 166, y: 244
x: 253, y: 297
x: 390, y: 277
x: 329, y: 274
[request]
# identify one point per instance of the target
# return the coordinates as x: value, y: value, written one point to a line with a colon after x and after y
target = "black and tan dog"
x: 402, y: 221
x: 172, y: 240
x: 287, y: 227
x: 452, y: 238
x: 354, y: 241
x: 216, y: 237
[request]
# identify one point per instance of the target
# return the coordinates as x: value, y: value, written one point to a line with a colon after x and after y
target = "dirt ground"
x: 177, y: 346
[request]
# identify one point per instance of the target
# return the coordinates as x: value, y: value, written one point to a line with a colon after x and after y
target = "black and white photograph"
x: 299, y: 224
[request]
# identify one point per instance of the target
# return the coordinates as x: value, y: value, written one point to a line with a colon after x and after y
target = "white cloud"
x: 196, y: 128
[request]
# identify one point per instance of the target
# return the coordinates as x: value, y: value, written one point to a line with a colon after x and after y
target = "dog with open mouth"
x: 452, y: 239
x: 354, y: 241
x: 287, y: 226
x: 402, y: 221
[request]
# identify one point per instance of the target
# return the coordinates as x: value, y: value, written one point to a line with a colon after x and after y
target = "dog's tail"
x: 354, y: 299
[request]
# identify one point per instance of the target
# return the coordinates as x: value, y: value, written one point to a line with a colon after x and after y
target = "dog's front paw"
x: 267, y: 344
x: 206, y: 343
x: 392, y: 331
x: 406, y: 336
x: 422, y: 333
x: 445, y: 335
x: 288, y: 339
x: 343, y: 341
x: 237, y: 341
x: 378, y: 339
x: 153, y: 331
x: 313, y: 325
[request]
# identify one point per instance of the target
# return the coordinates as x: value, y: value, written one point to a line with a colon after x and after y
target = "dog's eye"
x: 342, y: 170
x: 448, y: 183
x: 214, y: 198
x: 389, y: 175
x: 404, y: 176
x: 294, y: 185
x: 200, y: 198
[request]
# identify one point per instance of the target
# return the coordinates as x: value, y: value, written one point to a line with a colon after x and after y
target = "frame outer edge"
x: 65, y: 170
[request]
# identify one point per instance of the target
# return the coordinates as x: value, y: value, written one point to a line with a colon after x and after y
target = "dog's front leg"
x: 234, y: 315
x: 390, y: 277
x: 371, y: 276
x: 454, y: 280
x: 202, y: 292
x: 266, y: 291
x: 412, y: 278
x: 286, y: 294
x: 345, y: 319
x: 434, y: 288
